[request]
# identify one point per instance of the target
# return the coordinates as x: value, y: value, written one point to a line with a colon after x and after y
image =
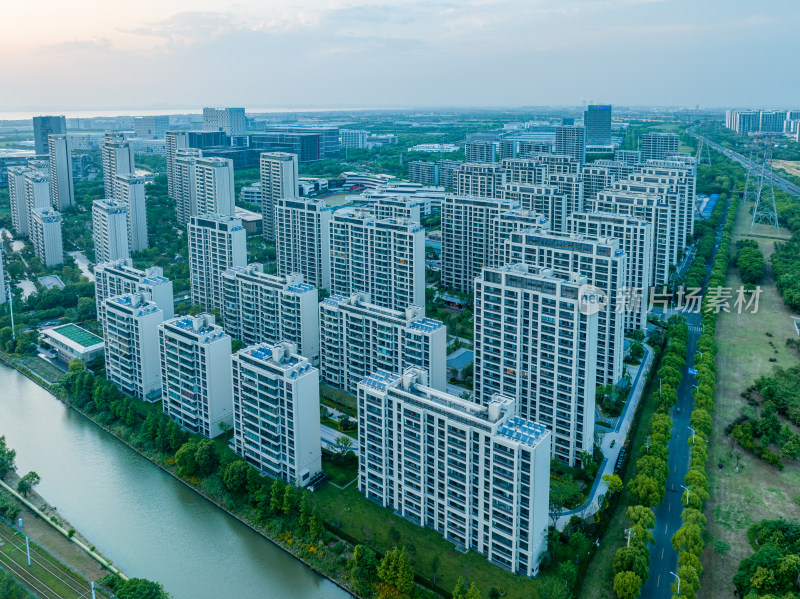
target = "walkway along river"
x: 148, y: 523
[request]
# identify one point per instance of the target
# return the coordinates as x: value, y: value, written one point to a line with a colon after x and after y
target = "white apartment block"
x: 560, y: 164
x: 426, y: 173
x: 119, y: 277
x: 214, y: 192
x: 571, y: 186
x: 276, y: 412
x: 506, y: 223
x: 174, y: 142
x: 385, y: 258
x: 279, y: 180
x: 262, y: 308
x: 447, y: 172
x: 603, y: 263
x: 619, y: 169
x: 62, y: 192
x: 628, y: 156
x: 303, y: 240
x: 478, y: 475
x: 183, y: 183
x: 129, y: 190
x: 353, y: 138
x: 534, y: 342
x: 466, y: 246
x: 45, y: 235
x: 358, y: 337
x: 526, y: 171
x: 649, y: 208
x: 117, y: 160
x: 480, y: 151
x: 18, y: 200
x: 3, y: 290
x: 682, y: 181
x: 596, y: 178
x: 37, y: 192
x: 110, y: 230
x: 216, y: 243
x: 571, y: 141
x: 546, y: 200
x: 230, y: 120
x: 636, y: 237
x: 658, y: 146
x: 130, y: 334
x: 197, y: 387
x: 251, y: 194
x: 398, y: 207
x: 479, y: 180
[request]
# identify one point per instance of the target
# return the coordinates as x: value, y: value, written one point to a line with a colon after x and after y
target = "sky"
x: 102, y: 54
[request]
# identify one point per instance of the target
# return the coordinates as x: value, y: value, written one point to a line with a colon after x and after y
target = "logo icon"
x: 591, y: 300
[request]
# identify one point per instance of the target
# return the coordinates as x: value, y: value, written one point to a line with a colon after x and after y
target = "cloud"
x: 188, y: 27
x: 78, y: 47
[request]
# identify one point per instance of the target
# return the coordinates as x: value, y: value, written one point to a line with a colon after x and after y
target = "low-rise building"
x: 71, y: 342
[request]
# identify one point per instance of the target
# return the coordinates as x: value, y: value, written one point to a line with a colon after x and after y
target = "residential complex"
x: 62, y: 193
x: 216, y: 243
x: 196, y: 374
x: 202, y: 185
x: 534, y: 342
x: 659, y: 145
x: 110, y: 230
x: 358, y: 337
x: 479, y: 475
x: 279, y: 180
x: 129, y: 191
x: 479, y: 180
x: 276, y: 412
x: 263, y: 308
x: 119, y: 277
x: 303, y: 239
x: 45, y: 235
x: 117, y: 160
x: 36, y: 184
x: 571, y: 141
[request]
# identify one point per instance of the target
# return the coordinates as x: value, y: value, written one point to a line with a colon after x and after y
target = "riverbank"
x: 242, y: 513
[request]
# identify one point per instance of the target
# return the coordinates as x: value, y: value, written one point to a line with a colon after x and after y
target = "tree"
x: 276, y: 496
x: 288, y: 500
x: 315, y: 526
x: 580, y: 544
x: 206, y: 457
x: 186, y: 458
x: 363, y: 567
x: 27, y: 483
x: 460, y: 590
x: 635, y: 559
x: 614, y: 483
x: 637, y: 351
x: 7, y: 458
x: 395, y: 570
x: 688, y: 537
x: 627, y: 585
x: 641, y: 515
x: 234, y: 476
x: 342, y: 445
x: 139, y: 588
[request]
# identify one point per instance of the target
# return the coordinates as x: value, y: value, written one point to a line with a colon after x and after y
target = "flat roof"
x: 77, y: 335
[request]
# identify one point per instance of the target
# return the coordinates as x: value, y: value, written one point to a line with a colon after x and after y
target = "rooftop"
x: 77, y: 335
x: 524, y: 431
x: 460, y: 358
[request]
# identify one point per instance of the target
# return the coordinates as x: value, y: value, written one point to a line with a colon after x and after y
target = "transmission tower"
x: 702, y: 158
x: 752, y: 174
x: 765, y: 211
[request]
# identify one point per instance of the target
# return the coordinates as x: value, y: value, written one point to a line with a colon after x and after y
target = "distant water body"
x: 87, y: 114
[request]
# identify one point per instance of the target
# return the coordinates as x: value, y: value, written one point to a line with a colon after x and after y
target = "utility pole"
x: 11, y: 308
x: 647, y: 443
x: 28, y: 548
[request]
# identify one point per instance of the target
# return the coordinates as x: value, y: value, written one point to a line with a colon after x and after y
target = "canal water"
x: 150, y: 525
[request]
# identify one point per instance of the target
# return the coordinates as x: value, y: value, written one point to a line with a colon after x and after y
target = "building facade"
x: 129, y: 190
x: 117, y: 160
x: 45, y: 235
x: 303, y: 240
x: 62, y: 193
x: 216, y: 243
x: 43, y: 128
x: 110, y: 230
x: 479, y: 180
x: 659, y: 145
x: 119, y: 277
x: 279, y: 180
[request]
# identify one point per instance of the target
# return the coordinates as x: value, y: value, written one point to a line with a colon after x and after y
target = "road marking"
x: 665, y: 528
x: 658, y: 582
x: 662, y: 553
x: 669, y: 507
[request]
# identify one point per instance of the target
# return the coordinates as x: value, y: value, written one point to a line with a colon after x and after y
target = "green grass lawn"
x: 42, y: 368
x: 339, y: 472
x: 338, y: 399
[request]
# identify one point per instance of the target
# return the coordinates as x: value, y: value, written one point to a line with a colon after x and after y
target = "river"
x: 149, y: 524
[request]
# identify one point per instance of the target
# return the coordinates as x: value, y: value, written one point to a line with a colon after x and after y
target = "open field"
x: 757, y: 491
x: 790, y: 166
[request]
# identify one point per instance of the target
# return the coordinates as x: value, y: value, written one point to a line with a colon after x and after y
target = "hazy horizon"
x: 402, y: 54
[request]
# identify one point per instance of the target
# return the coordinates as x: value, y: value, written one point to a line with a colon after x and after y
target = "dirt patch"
x: 790, y: 166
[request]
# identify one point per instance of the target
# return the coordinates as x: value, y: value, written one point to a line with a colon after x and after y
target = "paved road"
x: 329, y: 436
x: 83, y: 264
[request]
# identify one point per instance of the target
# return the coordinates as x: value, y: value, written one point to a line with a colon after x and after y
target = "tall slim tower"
x: 117, y: 160
x: 279, y: 180
x: 62, y: 193
x: 765, y: 211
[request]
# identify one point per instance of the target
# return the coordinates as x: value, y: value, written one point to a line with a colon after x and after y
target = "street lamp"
x: 630, y: 532
x: 701, y: 355
x: 687, y: 494
x: 693, y: 433
x: 678, y: 578
x: 659, y: 386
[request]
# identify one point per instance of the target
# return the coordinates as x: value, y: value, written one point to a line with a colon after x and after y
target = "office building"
x: 43, y: 128
x: 603, y: 263
x: 649, y: 208
x: 130, y: 334
x: 385, y: 258
x: 303, y: 240
x: 45, y: 235
x: 659, y: 145
x: 466, y: 245
x: 426, y: 173
x: 597, y: 121
x: 324, y: 139
x: 636, y: 239
x: 276, y: 412
x: 479, y: 180
x: 37, y: 191
x: 62, y: 193
x: 279, y: 180
x: 263, y: 308
x: 110, y: 230
x: 119, y: 277
x: 117, y: 160
x: 353, y: 138
x: 216, y: 243
x: 129, y: 191
x: 478, y: 475
x: 196, y: 382
x: 358, y: 337
x: 151, y: 127
x: 534, y: 342
x: 571, y: 141
x: 230, y: 120
x: 595, y: 178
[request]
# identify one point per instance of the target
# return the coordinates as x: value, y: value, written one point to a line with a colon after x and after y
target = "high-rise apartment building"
x: 682, y: 182
x: 636, y: 239
x: 303, y: 240
x: 466, y: 245
x: 129, y: 191
x: 196, y: 382
x: 447, y: 172
x: 4, y: 297
x: 119, y: 277
x: 503, y: 225
x: 478, y: 151
x: 526, y: 171
x: 62, y: 193
x: 130, y: 334
x: 604, y: 264
x: 398, y: 207
x: 110, y: 230
x: 117, y: 160
x: 597, y: 121
x: 202, y: 185
x: 151, y: 127
x: 631, y: 157
x: 385, y: 258
x: 184, y: 183
x: 535, y: 342
x: 45, y: 235
x: 353, y: 138
x: 37, y: 192
x: 426, y: 173
x: 174, y: 141
x: 595, y: 178
x: 43, y: 128
x: 279, y: 180
x: 479, y: 180
x: 230, y: 120
x: 560, y: 164
x: 216, y: 243
x: 571, y: 186
x: 546, y: 200
x: 571, y: 141
x: 276, y: 412
x: 358, y: 337
x: 18, y: 201
x: 478, y: 475
x: 659, y: 145
x: 263, y: 308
